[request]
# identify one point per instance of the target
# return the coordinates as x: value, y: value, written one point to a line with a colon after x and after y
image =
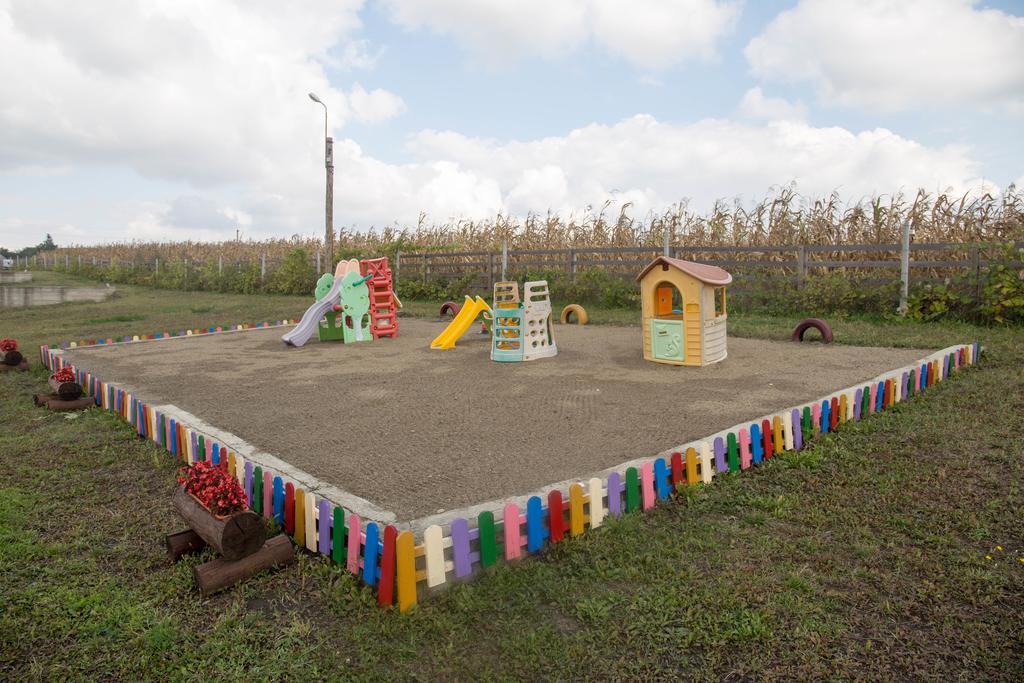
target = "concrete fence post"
x: 904, y: 268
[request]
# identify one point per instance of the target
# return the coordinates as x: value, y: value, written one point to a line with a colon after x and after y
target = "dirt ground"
x: 418, y: 432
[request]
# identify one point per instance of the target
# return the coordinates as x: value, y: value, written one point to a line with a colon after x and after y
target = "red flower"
x: 64, y: 375
x: 215, y: 488
x: 8, y: 345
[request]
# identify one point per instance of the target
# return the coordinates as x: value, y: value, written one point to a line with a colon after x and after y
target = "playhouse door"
x: 667, y: 340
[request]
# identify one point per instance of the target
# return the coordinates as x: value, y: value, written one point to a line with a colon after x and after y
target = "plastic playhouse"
x: 357, y: 303
x: 520, y: 329
x: 683, y: 311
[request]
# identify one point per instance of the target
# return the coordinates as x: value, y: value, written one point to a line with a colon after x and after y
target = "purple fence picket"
x: 615, y: 494
x: 798, y: 430
x: 324, y: 539
x: 719, y: 448
x: 248, y: 480
x: 460, y: 547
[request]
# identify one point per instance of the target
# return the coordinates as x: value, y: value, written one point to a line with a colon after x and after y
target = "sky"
x: 170, y: 120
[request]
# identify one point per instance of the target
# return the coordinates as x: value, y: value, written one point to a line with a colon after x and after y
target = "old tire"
x: 815, y: 323
x: 450, y: 308
x: 581, y: 314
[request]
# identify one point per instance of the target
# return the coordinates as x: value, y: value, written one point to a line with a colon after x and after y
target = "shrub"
x: 295, y: 275
x: 1002, y: 296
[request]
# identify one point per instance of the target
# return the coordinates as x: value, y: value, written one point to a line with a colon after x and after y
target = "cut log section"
x: 12, y: 358
x: 183, y: 543
x: 216, y: 575
x: 234, y: 537
x: 67, y: 391
x: 77, y: 404
x: 22, y: 366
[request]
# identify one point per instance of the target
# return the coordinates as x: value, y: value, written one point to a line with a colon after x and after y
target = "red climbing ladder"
x: 383, y: 317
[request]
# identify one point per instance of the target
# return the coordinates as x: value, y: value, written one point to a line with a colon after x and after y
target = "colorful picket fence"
x: 196, y: 332
x: 401, y: 570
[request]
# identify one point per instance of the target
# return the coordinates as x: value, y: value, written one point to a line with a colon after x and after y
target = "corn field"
x: 785, y: 219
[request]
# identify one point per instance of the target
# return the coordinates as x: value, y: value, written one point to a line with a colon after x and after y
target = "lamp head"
x: 316, y: 99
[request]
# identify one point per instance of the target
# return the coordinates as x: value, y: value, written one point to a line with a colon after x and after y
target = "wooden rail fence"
x: 793, y: 263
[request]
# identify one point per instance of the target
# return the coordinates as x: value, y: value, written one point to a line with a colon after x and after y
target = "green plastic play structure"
x: 350, y: 322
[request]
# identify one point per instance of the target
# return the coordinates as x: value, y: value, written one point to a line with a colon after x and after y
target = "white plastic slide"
x: 300, y: 334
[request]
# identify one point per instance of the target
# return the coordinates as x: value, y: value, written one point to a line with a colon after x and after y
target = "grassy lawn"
x: 890, y: 550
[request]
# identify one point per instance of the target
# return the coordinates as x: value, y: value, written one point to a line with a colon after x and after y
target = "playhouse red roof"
x: 710, y: 275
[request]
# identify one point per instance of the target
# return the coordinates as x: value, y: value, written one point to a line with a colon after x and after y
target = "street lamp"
x: 329, y: 208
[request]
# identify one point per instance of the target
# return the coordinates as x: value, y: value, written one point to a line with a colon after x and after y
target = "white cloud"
x: 375, y: 105
x: 655, y: 164
x: 654, y: 33
x: 756, y: 105
x: 651, y: 34
x: 203, y: 92
x: 883, y: 55
x: 641, y: 160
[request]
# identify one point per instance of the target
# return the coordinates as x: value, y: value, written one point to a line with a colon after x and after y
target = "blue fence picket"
x: 535, y: 531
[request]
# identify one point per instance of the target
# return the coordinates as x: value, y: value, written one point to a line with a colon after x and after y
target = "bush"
x: 295, y: 275
x: 1002, y: 296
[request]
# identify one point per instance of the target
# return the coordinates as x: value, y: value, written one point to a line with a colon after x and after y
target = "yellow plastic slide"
x: 457, y: 327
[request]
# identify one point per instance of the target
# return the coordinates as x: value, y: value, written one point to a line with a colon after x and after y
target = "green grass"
x: 866, y: 556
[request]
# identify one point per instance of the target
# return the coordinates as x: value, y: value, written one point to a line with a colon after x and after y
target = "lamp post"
x: 329, y: 208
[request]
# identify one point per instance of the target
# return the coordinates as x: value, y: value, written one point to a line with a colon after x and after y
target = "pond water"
x: 19, y: 297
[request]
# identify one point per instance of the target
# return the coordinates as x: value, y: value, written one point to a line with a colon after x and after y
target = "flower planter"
x: 233, y: 536
x: 66, y: 391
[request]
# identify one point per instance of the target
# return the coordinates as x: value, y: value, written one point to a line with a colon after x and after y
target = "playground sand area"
x: 418, y: 432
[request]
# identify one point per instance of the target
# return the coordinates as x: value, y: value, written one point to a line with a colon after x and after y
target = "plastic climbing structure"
x: 357, y: 303
x: 383, y: 302
x: 521, y: 330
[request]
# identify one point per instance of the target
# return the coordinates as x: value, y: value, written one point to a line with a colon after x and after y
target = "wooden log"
x: 218, y: 574
x: 20, y: 367
x: 12, y: 358
x: 61, y: 405
x: 235, y: 537
x: 68, y: 391
x: 183, y: 543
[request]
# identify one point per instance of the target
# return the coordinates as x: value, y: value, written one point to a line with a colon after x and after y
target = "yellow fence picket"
x: 300, y: 517
x: 311, y: 537
x: 405, y: 559
x: 575, y: 510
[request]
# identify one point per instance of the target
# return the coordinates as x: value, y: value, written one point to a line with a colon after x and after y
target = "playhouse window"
x: 719, y: 301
